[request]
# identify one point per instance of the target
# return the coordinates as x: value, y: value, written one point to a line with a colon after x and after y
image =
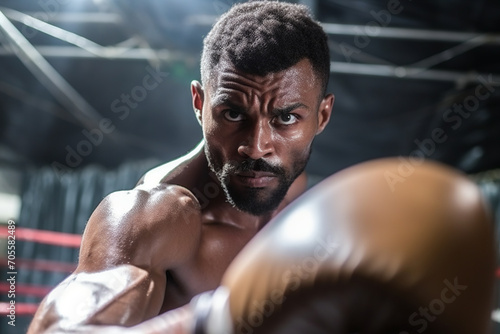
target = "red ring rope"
x: 21, y: 309
x: 43, y: 237
x: 26, y: 289
x: 43, y: 265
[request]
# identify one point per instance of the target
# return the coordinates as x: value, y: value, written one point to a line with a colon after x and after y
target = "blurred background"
x: 95, y: 92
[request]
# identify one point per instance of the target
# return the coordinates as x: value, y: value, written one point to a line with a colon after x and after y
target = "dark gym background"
x: 95, y: 92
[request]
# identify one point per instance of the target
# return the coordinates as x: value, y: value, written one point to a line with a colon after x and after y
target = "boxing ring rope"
x: 42, y: 265
x: 27, y: 289
x: 26, y: 309
x: 42, y: 237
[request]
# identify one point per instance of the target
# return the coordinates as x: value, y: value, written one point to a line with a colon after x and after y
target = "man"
x: 264, y: 68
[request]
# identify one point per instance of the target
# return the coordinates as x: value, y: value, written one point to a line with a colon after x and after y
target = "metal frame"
x: 80, y: 47
x: 85, y: 48
x: 407, y: 33
x: 16, y: 44
x: 62, y: 91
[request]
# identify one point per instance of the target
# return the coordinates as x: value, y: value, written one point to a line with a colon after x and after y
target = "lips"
x: 255, y: 179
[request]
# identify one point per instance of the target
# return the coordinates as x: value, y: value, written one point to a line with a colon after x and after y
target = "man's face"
x: 258, y: 131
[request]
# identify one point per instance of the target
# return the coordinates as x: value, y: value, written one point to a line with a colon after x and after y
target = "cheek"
x: 299, y: 140
x: 216, y: 141
x: 208, y: 126
x: 301, y: 153
x: 212, y: 133
x: 296, y: 151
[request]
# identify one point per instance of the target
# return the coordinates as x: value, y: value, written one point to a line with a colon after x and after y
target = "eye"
x: 286, y: 119
x: 233, y: 116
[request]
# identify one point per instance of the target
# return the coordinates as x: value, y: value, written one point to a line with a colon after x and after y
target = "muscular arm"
x: 130, y: 241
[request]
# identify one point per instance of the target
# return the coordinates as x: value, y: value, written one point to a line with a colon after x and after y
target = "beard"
x: 255, y: 201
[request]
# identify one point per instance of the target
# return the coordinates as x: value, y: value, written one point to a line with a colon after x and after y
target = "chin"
x: 257, y: 201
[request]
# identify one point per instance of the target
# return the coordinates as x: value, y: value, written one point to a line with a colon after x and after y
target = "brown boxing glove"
x: 369, y: 250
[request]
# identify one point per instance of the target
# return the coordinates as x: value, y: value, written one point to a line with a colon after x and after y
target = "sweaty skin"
x: 176, y: 232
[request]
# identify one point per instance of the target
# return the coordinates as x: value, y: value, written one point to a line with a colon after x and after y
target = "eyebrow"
x: 288, y: 109
x: 225, y: 100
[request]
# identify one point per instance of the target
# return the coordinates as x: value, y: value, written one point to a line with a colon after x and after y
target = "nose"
x: 258, y: 141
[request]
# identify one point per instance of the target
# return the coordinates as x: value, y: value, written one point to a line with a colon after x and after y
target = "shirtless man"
x: 265, y: 69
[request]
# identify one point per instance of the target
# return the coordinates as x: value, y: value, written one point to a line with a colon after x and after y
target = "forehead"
x: 296, y: 82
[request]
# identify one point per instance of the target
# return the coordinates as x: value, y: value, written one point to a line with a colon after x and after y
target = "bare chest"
x: 219, y: 245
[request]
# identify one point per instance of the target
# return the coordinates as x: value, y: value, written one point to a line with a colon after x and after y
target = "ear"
x: 324, y: 112
x: 197, y: 95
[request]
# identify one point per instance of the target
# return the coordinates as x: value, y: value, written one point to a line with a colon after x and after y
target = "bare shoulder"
x: 149, y: 226
x: 179, y: 171
x: 155, y: 226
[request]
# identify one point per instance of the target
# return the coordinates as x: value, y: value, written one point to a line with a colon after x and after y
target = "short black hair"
x: 263, y: 37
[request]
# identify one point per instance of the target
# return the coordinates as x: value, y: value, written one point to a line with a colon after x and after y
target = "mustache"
x: 259, y: 165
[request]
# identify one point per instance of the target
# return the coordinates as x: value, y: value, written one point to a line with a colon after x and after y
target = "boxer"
x: 355, y: 254
x: 147, y: 252
x: 264, y: 68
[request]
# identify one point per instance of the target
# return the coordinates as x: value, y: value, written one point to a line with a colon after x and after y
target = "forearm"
x: 122, y: 296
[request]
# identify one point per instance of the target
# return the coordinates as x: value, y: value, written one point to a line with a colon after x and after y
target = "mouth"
x: 255, y: 179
